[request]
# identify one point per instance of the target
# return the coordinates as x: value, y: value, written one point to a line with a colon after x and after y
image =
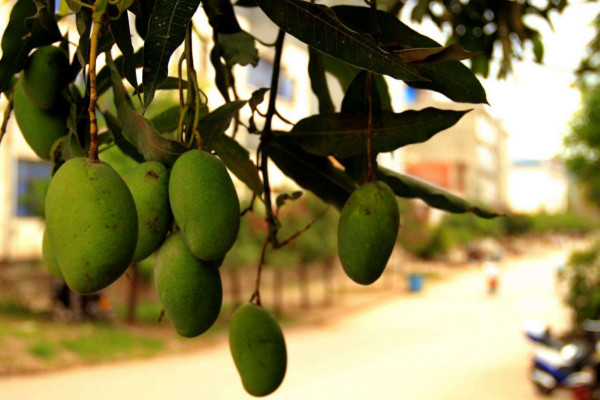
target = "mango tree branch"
x: 264, y: 162
x: 97, y: 20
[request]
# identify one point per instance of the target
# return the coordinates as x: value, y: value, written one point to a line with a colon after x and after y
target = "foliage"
x: 459, y: 230
x: 111, y: 43
x: 583, y: 144
x: 482, y: 26
x: 316, y: 244
x: 581, y: 274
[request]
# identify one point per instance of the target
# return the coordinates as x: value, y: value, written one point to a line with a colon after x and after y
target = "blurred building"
x: 469, y: 159
x: 21, y: 171
x: 538, y: 186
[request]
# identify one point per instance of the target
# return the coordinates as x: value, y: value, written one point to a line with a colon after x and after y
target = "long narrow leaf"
x: 344, y: 135
x: 318, y: 26
x: 166, y: 32
x: 409, y: 187
x: 451, y: 78
x: 237, y: 160
x: 313, y: 173
x: 137, y: 129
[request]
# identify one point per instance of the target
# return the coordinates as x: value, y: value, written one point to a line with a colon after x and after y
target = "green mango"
x: 367, y: 231
x: 45, y: 76
x: 92, y: 224
x: 49, y: 257
x: 117, y: 159
x: 149, y: 185
x: 205, y: 204
x: 258, y: 349
x: 40, y: 128
x: 189, y: 289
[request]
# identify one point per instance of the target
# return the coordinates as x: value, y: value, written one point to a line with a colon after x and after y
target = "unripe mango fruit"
x: 258, y: 349
x: 367, y: 231
x: 149, y: 185
x: 189, y: 289
x: 40, y: 128
x: 49, y: 257
x: 205, y: 204
x: 92, y: 224
x: 45, y: 76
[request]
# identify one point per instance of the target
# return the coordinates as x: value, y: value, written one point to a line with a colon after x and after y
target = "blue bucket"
x: 415, y: 282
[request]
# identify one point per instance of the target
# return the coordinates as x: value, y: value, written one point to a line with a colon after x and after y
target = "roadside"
x: 32, y: 343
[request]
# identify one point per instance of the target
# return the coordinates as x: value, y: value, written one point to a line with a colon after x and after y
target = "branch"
x: 302, y: 230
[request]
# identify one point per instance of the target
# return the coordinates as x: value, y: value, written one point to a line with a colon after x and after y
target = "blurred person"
x: 492, y: 272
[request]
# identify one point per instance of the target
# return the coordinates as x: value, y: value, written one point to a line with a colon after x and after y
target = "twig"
x: 161, y: 315
x: 261, y: 262
x: 250, y: 206
x: 369, y: 126
x: 302, y: 230
x: 93, y: 152
x: 281, y: 117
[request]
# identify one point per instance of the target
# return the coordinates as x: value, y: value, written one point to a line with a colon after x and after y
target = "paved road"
x: 450, y: 342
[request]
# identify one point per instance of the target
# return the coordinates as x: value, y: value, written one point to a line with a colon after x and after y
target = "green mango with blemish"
x: 92, y: 224
x: 40, y: 128
x: 45, y: 76
x: 367, y: 231
x: 258, y: 349
x: 49, y: 257
x: 149, y: 186
x: 205, y: 204
x: 190, y: 289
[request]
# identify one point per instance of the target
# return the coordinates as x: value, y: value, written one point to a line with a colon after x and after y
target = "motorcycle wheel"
x: 543, y: 390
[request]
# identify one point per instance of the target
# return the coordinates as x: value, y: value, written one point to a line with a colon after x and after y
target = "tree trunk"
x: 327, y: 283
x: 303, y: 285
x: 132, y: 298
x: 236, y: 291
x: 277, y: 290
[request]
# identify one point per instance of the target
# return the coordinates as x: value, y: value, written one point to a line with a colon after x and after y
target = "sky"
x: 537, y: 102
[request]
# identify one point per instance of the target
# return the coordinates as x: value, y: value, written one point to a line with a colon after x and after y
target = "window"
x: 32, y: 183
x: 260, y: 77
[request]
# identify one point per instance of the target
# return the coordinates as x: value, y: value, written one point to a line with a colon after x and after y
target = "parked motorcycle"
x: 560, y: 363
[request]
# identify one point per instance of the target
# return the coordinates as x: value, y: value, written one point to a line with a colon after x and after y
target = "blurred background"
x: 446, y: 318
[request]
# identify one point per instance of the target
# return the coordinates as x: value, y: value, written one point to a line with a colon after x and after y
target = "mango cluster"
x: 39, y: 105
x: 99, y: 222
x: 367, y: 231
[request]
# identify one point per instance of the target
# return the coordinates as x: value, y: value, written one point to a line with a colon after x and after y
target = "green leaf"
x: 344, y: 135
x: 214, y: 124
x: 166, y: 32
x: 318, y: 81
x: 284, y: 197
x: 356, y: 98
x: 122, y: 35
x: 346, y: 73
x: 258, y: 96
x: 103, y: 78
x: 168, y: 120
x: 318, y: 26
x: 410, y: 187
x: 451, y: 78
x: 237, y: 159
x: 30, y: 25
x: 137, y: 129
x: 221, y: 16
x: 238, y: 48
x: 313, y: 173
x: 83, y: 22
x: 112, y: 123
x: 142, y: 10
x: 452, y: 52
x: 223, y: 77
x: 171, y: 83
